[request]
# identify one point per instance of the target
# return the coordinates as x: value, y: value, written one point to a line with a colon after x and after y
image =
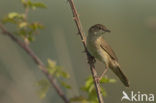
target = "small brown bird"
x: 99, y: 48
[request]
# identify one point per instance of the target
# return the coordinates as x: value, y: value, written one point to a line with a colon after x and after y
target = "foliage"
x: 56, y: 72
x: 32, y: 5
x: 44, y: 86
x: 25, y: 29
x: 89, y: 89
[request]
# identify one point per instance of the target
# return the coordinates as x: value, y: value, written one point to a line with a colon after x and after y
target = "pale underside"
x: 99, y: 48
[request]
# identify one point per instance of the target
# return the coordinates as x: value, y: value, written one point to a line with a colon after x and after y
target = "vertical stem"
x: 90, y: 59
x: 97, y: 85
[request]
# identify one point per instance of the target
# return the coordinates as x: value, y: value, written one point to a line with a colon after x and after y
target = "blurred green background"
x: 133, y: 38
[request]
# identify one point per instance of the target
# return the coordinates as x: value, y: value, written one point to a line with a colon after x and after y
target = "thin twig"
x: 90, y: 58
x: 37, y: 61
x: 26, y: 12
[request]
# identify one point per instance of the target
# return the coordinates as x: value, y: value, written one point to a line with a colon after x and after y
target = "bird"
x: 101, y: 50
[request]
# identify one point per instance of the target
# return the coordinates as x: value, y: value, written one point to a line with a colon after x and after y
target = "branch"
x: 90, y: 58
x: 37, y: 61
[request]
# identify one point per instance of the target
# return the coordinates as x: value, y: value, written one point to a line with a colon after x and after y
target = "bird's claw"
x: 98, y: 79
x: 92, y: 59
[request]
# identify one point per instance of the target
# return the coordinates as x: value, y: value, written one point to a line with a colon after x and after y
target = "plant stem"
x: 36, y: 59
x: 90, y: 58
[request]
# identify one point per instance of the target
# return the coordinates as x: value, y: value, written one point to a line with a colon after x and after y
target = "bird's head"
x: 98, y: 30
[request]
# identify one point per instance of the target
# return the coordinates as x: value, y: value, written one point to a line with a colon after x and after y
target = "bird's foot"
x: 92, y: 59
x: 98, y: 79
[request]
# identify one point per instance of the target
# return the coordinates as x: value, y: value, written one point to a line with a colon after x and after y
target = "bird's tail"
x: 121, y: 76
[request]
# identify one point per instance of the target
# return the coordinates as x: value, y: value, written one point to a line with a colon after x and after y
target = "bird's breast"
x: 93, y: 46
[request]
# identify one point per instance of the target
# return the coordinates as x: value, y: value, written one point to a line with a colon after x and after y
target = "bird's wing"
x: 108, y: 49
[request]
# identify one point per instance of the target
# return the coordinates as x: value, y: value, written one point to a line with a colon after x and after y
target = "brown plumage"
x: 101, y: 50
x: 104, y: 45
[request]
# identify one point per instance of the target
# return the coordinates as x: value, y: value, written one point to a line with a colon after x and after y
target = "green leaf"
x: 65, y: 85
x: 22, y: 24
x: 39, y: 5
x: 22, y: 32
x: 63, y: 74
x: 43, y: 87
x: 34, y: 26
x: 92, y: 96
x: 51, y: 67
x: 33, y: 5
x: 56, y: 70
x: 103, y: 91
x: 51, y: 63
x: 91, y: 88
x: 89, y: 85
x: 30, y: 38
x: 13, y: 17
x: 107, y: 80
x: 89, y: 82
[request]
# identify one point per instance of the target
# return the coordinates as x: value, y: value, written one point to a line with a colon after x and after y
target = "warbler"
x: 101, y: 50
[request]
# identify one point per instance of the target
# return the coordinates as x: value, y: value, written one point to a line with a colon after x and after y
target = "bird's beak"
x: 107, y: 30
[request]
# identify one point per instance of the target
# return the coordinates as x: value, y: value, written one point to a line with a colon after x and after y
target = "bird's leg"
x: 103, y: 73
x: 93, y: 59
